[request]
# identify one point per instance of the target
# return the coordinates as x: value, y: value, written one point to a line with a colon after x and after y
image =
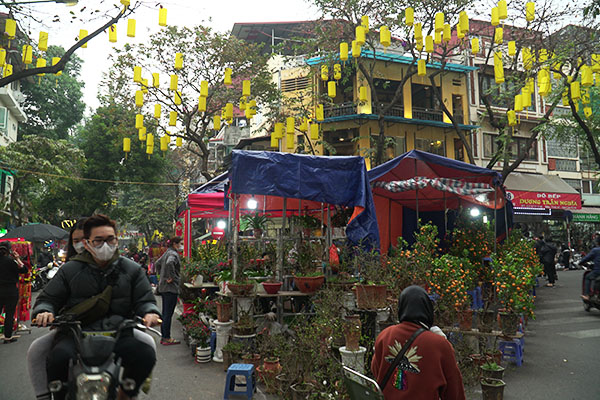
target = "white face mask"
x: 79, y: 247
x: 104, y: 252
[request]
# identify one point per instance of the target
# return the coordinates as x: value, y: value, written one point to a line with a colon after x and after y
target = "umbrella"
x: 37, y: 233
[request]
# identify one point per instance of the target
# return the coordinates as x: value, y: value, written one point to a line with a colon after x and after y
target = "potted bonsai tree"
x: 371, y: 292
x: 492, y: 370
x: 272, y: 284
x: 256, y: 221
x: 309, y: 275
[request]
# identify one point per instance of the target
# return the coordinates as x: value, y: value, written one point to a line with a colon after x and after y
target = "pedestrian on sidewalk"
x: 594, y: 256
x: 168, y: 267
x: 547, y: 251
x: 10, y: 268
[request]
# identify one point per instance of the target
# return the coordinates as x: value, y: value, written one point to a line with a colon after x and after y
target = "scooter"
x: 97, y: 372
x: 594, y: 300
x: 43, y: 275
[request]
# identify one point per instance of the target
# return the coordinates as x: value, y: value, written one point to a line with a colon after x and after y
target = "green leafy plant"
x: 306, y: 221
x: 254, y: 221
x: 307, y: 259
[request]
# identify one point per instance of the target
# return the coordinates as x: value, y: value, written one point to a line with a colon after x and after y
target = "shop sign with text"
x: 555, y: 201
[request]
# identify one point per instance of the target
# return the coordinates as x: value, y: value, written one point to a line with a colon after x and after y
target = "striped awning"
x: 455, y: 186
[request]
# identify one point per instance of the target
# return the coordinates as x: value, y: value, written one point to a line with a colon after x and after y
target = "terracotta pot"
x: 492, y: 389
x: 465, y: 320
x: 272, y: 287
x: 257, y: 233
x: 309, y: 284
x: 486, y: 320
x: 371, y: 296
x: 253, y: 359
x: 478, y: 359
x: 241, y: 289
x: 508, y: 323
x: 352, y: 331
x: 271, y: 364
x: 268, y: 378
x: 224, y: 312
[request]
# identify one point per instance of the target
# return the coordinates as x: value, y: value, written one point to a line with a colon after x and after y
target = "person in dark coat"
x: 168, y: 267
x: 10, y: 268
x: 87, y: 275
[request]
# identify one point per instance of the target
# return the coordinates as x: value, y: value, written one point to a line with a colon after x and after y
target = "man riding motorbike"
x: 101, y: 289
x: 594, y: 256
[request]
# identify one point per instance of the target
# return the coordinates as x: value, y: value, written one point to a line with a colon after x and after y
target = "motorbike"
x: 594, y: 300
x: 97, y: 372
x: 43, y: 275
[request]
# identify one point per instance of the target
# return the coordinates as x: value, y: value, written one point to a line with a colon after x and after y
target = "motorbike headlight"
x: 93, y: 386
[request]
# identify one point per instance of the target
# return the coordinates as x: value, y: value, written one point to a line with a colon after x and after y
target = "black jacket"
x: 76, y: 281
x: 9, y: 272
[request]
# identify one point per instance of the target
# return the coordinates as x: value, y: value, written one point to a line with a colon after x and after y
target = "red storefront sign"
x: 555, y: 201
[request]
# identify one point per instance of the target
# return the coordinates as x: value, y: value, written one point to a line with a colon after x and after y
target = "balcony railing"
x: 427, y: 114
x: 397, y: 110
x: 338, y: 110
x: 349, y: 108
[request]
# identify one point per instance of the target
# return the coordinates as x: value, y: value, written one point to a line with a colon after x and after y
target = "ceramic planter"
x: 492, y: 389
x: 352, y: 330
x: 253, y: 359
x: 487, y: 372
x: 203, y: 354
x: 309, y: 284
x: 371, y: 296
x: 224, y: 312
x: 272, y: 287
x: 271, y: 364
x: 245, y: 289
x: 465, y: 320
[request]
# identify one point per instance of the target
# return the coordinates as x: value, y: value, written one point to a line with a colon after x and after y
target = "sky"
x: 220, y: 15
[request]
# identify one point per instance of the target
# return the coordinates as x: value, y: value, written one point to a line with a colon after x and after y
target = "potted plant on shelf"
x: 371, y: 292
x: 309, y: 276
x: 256, y: 221
x: 272, y: 284
x: 224, y: 306
x: 245, y: 325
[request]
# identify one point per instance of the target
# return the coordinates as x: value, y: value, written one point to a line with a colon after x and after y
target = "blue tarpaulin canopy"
x: 334, y: 180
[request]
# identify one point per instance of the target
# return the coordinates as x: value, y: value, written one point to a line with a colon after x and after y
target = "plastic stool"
x: 511, y: 351
x: 235, y: 370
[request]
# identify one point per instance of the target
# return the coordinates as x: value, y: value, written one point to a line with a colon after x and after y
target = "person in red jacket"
x: 429, y: 370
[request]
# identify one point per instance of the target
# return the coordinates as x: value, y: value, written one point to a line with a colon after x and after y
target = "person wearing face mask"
x: 89, y: 274
x: 75, y: 244
x: 168, y: 267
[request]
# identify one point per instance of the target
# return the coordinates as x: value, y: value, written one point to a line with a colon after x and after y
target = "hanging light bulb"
x: 162, y: 16
x: 131, y: 27
x: 112, y: 33
x: 172, y: 118
x: 82, y: 35
x: 43, y: 42
x: 155, y: 79
x: 344, y: 51
x: 157, y: 111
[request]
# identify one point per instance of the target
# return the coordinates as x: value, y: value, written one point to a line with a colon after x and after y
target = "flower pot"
x: 478, y: 359
x: 271, y: 364
x: 509, y: 323
x: 301, y: 391
x: 272, y: 287
x: 224, y: 312
x: 203, y: 354
x: 228, y: 359
x: 486, y: 320
x: 465, y: 320
x: 492, y: 389
x: 487, y: 372
x: 268, y: 378
x: 257, y: 233
x: 243, y: 330
x: 309, y: 284
x: 371, y: 296
x: 352, y: 330
x: 253, y: 359
x: 237, y: 289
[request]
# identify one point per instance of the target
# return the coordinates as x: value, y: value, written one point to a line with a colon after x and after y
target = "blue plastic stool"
x: 512, y: 350
x: 235, y: 370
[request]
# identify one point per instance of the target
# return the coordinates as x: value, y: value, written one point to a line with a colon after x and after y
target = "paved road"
x: 562, y: 347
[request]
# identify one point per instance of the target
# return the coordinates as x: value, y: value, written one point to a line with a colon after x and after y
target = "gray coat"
x: 168, y: 267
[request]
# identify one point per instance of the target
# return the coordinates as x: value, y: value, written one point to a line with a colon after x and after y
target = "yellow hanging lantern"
x: 252, y: 107
x: 320, y: 113
x: 137, y: 74
x: 597, y: 78
x: 289, y: 142
x: 145, y: 86
x: 274, y: 141
x: 164, y: 143
x: 463, y: 20
x: 246, y: 88
x: 173, y: 118
x: 2, y: 57
x: 290, y: 127
x: 355, y: 49
x: 149, y: 150
x: 139, y: 121
x: 303, y: 125
x: 587, y: 78
x: 587, y: 111
x: 418, y: 31
x: 157, y: 110
x: 11, y: 28
x: 364, y: 22
x: 596, y: 62
x: 495, y: 19
x: 439, y: 21
x: 360, y: 35
x: 126, y: 145
x: 519, y: 102
x: 177, y: 98
x: 344, y: 51
x: 530, y: 11
x: 178, y: 61
x: 419, y: 44
x: 512, y: 117
x: 139, y: 98
x: 362, y: 94
x: 125, y: 2
x: 543, y: 56
x: 82, y: 35
x: 112, y: 34
x: 575, y: 90
x: 421, y: 68
x: 278, y: 130
x: 131, y: 27
x: 162, y: 16
x: 201, y: 104
x: 228, y: 111
x: 585, y: 96
x: 203, y: 89
x: 43, y: 42
x: 527, y: 58
x: 324, y: 72
x: 217, y: 122
x: 498, y: 68
x: 429, y: 44
x: 544, y: 85
x: 150, y: 140
x: 459, y: 33
x: 242, y: 105
x: 41, y: 63
x: 498, y: 36
x: 331, y: 92
x: 142, y: 134
x: 337, y: 72
x: 174, y: 82
x: 314, y: 131
x: 8, y: 70
x: 475, y: 45
x: 512, y: 48
x: 447, y: 33
x: 437, y: 38
x: 227, y: 77
x: 179, y: 141
x: 248, y: 113
x: 385, y: 37
x: 27, y: 54
x: 409, y: 16
x: 531, y: 85
x: 55, y: 61
x: 502, y: 9
x: 526, y: 97
x: 155, y: 79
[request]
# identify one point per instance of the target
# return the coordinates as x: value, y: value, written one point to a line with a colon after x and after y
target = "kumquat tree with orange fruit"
x: 450, y: 279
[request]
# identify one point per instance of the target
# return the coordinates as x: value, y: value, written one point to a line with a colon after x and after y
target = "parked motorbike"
x: 594, y: 300
x: 97, y: 372
x: 42, y: 275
